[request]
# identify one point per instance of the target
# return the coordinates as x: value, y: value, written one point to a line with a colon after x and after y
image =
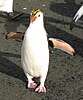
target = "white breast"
x: 35, y: 53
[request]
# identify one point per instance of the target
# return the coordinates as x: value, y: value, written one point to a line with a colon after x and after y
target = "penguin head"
x: 36, y: 16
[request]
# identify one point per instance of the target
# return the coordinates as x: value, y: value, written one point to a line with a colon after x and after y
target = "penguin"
x: 35, y: 51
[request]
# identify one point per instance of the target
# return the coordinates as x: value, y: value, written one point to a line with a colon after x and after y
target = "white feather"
x: 78, y: 14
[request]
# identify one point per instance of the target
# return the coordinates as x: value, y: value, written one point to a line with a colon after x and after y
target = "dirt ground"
x: 65, y: 77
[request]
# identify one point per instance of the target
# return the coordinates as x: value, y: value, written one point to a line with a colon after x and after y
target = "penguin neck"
x: 37, y: 23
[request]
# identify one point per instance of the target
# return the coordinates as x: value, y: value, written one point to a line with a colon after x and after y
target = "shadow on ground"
x: 10, y: 68
x: 12, y: 25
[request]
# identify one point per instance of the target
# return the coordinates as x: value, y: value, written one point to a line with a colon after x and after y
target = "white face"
x: 36, y: 17
x: 39, y: 14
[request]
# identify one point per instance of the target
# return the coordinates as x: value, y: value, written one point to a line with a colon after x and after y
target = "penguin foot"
x: 40, y: 89
x: 32, y: 85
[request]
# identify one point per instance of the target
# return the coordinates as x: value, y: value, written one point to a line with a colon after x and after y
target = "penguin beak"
x: 32, y: 18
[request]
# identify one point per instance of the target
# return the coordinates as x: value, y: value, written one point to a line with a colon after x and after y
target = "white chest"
x: 35, y: 52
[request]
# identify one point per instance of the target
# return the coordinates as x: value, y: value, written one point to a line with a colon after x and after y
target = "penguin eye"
x: 38, y: 15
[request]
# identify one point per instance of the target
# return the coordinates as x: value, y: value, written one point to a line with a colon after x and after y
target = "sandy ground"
x: 65, y: 77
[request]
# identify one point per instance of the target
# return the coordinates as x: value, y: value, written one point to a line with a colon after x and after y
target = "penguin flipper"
x: 60, y: 44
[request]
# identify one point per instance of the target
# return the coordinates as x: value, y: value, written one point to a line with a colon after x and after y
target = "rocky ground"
x: 65, y: 77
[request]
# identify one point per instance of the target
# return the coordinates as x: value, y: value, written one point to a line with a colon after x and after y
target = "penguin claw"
x: 32, y: 85
x: 40, y: 89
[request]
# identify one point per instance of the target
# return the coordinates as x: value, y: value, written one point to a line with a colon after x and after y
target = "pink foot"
x: 32, y: 85
x: 40, y: 89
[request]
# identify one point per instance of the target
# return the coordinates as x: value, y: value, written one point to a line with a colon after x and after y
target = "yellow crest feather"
x: 34, y: 12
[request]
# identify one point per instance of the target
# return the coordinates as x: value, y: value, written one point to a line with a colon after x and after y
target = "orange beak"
x: 32, y: 18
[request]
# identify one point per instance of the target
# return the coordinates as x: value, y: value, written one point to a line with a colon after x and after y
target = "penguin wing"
x: 15, y: 35
x: 78, y: 14
x: 60, y: 44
